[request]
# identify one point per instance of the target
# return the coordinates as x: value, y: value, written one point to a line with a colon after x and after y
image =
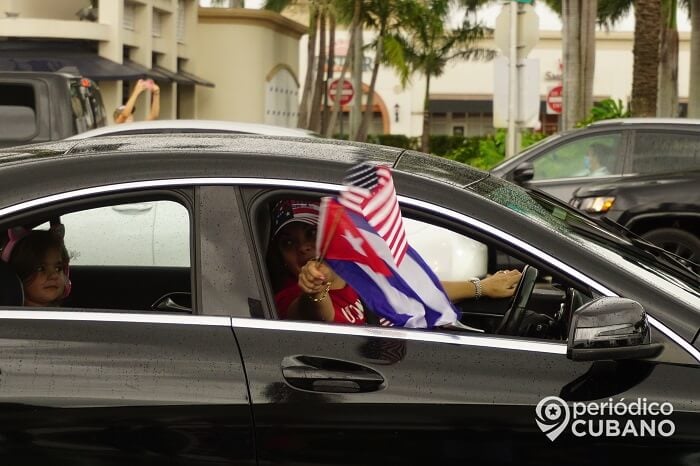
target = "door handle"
x: 319, y: 374
x: 133, y: 208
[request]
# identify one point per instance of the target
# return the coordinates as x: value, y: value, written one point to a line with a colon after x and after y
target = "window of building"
x: 129, y: 20
x: 181, y: 21
x: 156, y: 24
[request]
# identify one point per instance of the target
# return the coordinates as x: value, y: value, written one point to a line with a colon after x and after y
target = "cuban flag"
x: 361, y: 236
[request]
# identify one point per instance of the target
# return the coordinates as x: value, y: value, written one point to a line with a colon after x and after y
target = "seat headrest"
x: 11, y: 290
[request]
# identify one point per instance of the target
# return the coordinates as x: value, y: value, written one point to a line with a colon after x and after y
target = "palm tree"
x: 380, y: 16
x: 646, y: 57
x: 612, y: 11
x: 667, y: 93
x: 578, y: 50
x: 423, y: 44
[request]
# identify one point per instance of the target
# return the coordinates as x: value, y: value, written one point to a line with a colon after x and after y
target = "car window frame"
x: 257, y: 200
x: 73, y: 202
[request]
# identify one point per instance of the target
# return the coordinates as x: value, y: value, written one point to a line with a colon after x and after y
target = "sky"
x: 549, y: 21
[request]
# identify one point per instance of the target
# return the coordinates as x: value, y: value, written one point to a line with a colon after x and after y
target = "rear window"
x: 21, y: 95
x: 17, y: 113
x: 87, y: 106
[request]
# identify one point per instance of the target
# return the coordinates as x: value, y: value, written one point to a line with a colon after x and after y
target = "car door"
x: 562, y: 169
x: 337, y: 394
x: 105, y: 388
x: 90, y: 385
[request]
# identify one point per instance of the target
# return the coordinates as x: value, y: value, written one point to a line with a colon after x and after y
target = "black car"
x: 603, y: 151
x: 664, y: 209
x: 159, y: 357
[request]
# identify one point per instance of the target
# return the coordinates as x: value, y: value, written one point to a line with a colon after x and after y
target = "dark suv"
x: 39, y: 107
x: 605, y: 150
x: 662, y: 208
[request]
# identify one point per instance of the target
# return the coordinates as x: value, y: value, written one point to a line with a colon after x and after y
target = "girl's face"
x: 45, y: 286
x: 297, y: 244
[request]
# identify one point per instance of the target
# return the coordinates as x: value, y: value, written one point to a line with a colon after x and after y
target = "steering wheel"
x: 511, y: 319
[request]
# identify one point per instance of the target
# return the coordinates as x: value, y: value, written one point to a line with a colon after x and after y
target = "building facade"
x: 193, y: 53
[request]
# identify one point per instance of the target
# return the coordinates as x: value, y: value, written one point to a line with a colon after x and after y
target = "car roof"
x: 193, y: 126
x: 647, y: 121
x: 42, y: 169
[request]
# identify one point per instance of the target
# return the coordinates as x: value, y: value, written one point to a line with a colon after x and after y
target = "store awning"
x: 89, y: 65
x: 196, y: 79
x: 148, y: 73
x: 173, y: 76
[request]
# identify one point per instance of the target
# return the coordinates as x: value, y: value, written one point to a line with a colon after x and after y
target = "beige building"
x: 194, y: 54
x: 462, y: 99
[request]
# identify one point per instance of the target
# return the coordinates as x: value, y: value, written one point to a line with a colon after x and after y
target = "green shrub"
x: 605, y: 110
x: 482, y: 152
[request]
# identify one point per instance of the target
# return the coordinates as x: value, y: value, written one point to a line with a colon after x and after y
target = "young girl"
x: 292, y: 260
x: 40, y: 259
x: 308, y: 289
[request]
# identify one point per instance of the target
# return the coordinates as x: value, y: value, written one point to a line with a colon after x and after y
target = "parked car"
x: 38, y: 107
x: 194, y: 126
x: 189, y: 364
x: 605, y: 150
x: 662, y: 208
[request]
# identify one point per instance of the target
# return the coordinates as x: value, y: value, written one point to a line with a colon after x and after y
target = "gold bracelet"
x: 324, y: 293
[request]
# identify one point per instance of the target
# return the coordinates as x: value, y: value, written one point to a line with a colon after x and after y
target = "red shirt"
x: 347, y: 306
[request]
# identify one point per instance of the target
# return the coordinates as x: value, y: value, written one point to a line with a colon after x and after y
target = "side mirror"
x: 523, y: 172
x: 610, y: 329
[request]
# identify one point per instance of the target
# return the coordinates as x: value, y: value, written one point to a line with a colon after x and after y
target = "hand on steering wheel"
x: 513, y: 316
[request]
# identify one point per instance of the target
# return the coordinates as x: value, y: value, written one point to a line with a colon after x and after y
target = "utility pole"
x: 512, y: 145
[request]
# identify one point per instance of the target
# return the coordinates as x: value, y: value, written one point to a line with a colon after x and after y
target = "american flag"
x: 370, y: 192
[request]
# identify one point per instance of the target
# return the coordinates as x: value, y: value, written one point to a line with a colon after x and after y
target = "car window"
x: 657, y: 151
x: 137, y: 234
x: 455, y: 254
x: 583, y: 157
x: 450, y: 255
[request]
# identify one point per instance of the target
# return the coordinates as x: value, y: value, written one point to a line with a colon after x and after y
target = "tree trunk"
x: 319, y: 82
x: 579, y: 19
x: 667, y: 98
x: 425, y: 137
x: 303, y: 118
x: 330, y: 70
x: 369, y: 108
x: 694, y: 74
x: 645, y: 74
x: 357, y: 64
x: 346, y: 66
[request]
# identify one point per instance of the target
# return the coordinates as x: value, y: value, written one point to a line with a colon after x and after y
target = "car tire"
x: 680, y: 242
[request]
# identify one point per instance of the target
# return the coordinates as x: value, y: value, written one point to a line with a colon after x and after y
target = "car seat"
x: 11, y: 290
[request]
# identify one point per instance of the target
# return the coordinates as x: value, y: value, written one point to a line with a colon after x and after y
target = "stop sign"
x: 554, y: 100
x: 346, y: 94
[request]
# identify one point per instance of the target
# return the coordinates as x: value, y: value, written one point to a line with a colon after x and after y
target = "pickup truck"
x: 40, y: 107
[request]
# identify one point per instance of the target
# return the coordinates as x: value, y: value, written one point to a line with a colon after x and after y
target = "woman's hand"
x: 315, y: 276
x: 502, y: 284
x: 141, y: 85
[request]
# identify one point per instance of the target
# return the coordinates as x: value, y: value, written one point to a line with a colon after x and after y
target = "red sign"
x: 346, y: 94
x: 554, y: 100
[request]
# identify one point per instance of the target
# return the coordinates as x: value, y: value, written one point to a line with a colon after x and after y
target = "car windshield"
x: 654, y: 266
